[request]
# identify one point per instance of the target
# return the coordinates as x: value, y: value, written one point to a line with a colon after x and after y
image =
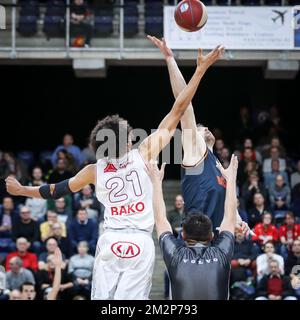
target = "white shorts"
x: 123, y: 266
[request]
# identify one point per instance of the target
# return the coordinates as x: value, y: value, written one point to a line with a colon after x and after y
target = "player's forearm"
x: 56, y: 284
x: 231, y: 202
x: 185, y: 97
x: 176, y: 79
x: 31, y: 192
x: 178, y: 84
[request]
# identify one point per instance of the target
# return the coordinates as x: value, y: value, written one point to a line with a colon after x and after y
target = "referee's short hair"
x: 198, y: 227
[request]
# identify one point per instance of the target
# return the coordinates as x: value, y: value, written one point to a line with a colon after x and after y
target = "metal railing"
x: 13, y: 41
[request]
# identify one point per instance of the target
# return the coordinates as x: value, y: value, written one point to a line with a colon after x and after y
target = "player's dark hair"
x: 121, y: 130
x: 198, y: 227
x: 26, y: 284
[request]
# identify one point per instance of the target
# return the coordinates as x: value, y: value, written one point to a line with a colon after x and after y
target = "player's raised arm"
x: 54, y: 191
x: 194, y: 145
x: 152, y: 146
x: 230, y: 216
x: 161, y: 222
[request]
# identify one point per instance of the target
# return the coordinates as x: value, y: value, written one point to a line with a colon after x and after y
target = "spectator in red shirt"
x: 275, y: 286
x: 265, y: 231
x: 29, y: 259
x: 288, y: 233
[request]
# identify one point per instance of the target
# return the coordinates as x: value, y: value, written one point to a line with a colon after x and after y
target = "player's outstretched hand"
x: 13, y: 186
x: 162, y: 46
x: 231, y: 171
x: 155, y: 174
x: 208, y: 60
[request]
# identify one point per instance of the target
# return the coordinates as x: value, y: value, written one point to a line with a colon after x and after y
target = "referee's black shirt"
x: 198, y: 272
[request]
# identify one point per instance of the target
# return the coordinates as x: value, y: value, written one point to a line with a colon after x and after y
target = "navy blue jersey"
x: 198, y: 272
x: 204, y: 189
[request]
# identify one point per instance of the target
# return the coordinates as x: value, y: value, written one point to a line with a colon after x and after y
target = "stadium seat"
x: 27, y: 157
x: 131, y: 18
x: 273, y: 2
x: 154, y: 18
x: 103, y: 21
x: 28, y: 18
x: 55, y: 18
x: 250, y: 2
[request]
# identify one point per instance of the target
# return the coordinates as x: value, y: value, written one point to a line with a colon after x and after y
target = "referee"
x: 198, y: 269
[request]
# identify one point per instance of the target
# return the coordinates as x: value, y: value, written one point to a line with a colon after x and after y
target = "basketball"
x: 190, y: 15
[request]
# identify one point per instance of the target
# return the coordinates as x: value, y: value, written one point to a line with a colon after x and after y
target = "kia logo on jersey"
x: 125, y: 250
x: 110, y: 168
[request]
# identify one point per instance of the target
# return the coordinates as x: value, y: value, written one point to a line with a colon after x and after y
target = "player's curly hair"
x: 117, y: 126
x: 197, y: 227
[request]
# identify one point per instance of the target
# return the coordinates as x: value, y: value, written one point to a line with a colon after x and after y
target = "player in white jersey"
x: 125, y: 251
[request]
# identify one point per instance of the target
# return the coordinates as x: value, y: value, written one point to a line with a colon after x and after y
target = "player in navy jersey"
x: 198, y: 269
x: 203, y: 176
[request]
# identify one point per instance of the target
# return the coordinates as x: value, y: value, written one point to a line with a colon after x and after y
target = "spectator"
x: 88, y: 155
x: 81, y: 24
x: 29, y: 260
x: 274, y: 155
x: 262, y: 261
x: 16, y: 167
x: 219, y: 146
x: 46, y: 227
x: 296, y: 201
x: 28, y: 291
x: 175, y: 216
x: 51, y: 245
x: 4, y: 167
x: 295, y: 177
x: 81, y: 270
x: 275, y: 143
x: 265, y: 231
x: 62, y: 241
x: 17, y: 274
x: 37, y: 177
x: 68, y: 145
x: 46, y: 279
x: 275, y: 286
x: 243, y: 213
x: 270, y: 177
x: 86, y: 199
x: 225, y: 157
x: 15, y: 295
x: 280, y: 197
x: 63, y: 213
x: 7, y: 217
x: 60, y: 172
x: 244, y: 124
x: 36, y: 206
x: 26, y: 227
x: 83, y: 229
x: 293, y: 258
x: 250, y: 188
x: 247, y: 166
x: 288, y: 233
x: 257, y: 210
x: 248, y: 144
x: 244, y: 255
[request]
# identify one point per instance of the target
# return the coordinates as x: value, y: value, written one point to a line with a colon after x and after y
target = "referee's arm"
x: 229, y: 220
x: 159, y: 207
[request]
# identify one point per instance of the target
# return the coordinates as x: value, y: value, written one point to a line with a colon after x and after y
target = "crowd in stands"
x: 269, y: 194
x: 31, y: 230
